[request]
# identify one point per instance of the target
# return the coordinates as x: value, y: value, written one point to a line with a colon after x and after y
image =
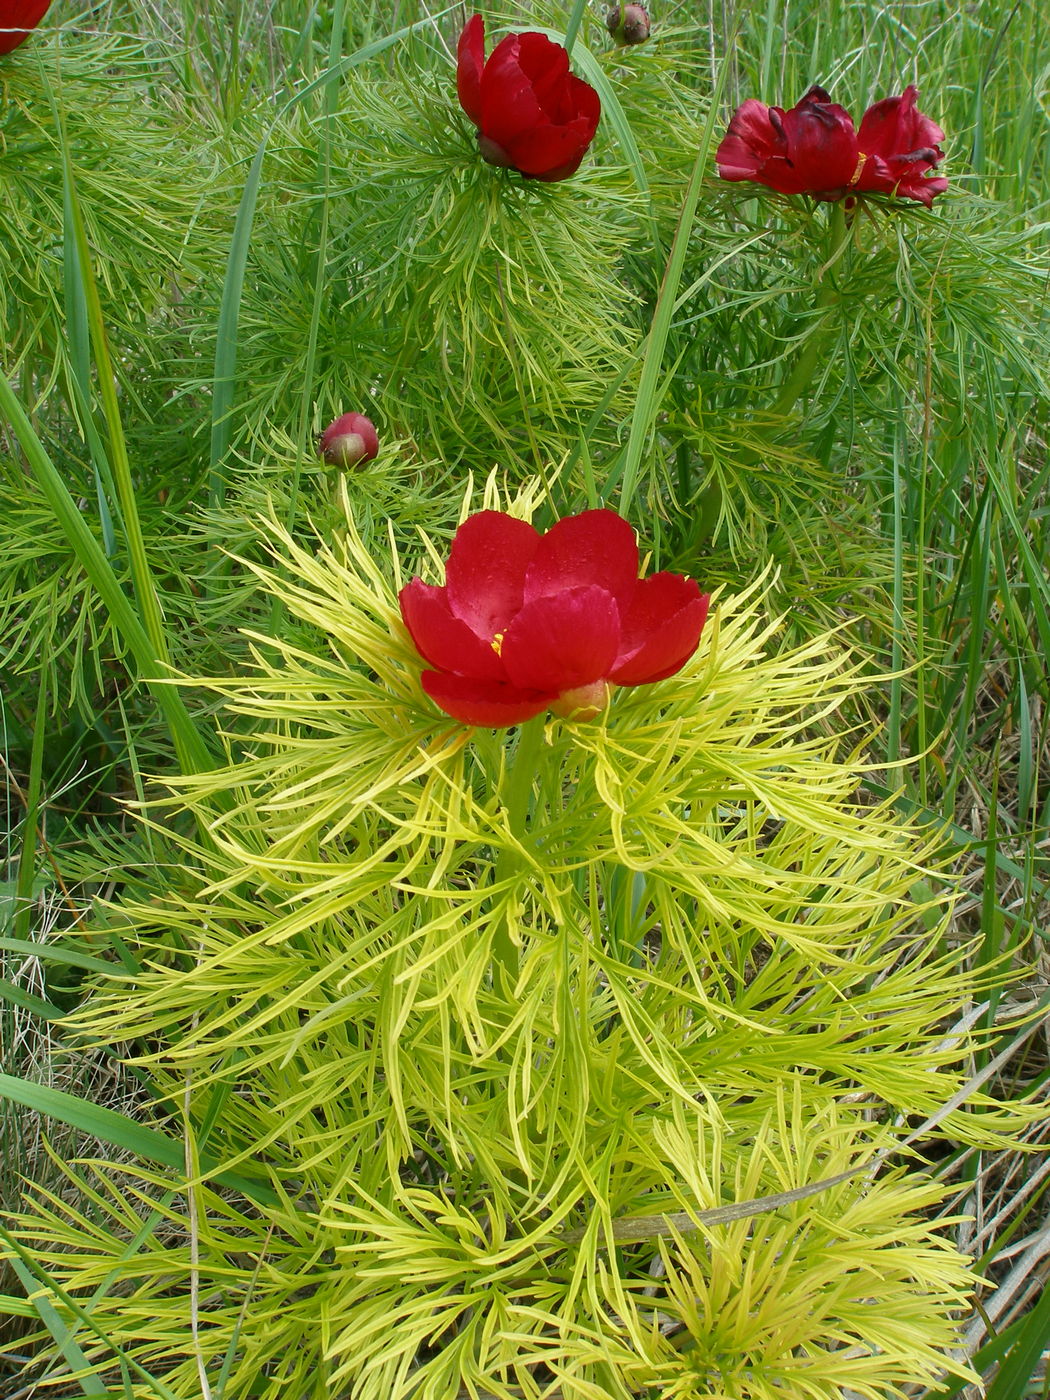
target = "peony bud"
x: 349, y: 441
x: 629, y: 25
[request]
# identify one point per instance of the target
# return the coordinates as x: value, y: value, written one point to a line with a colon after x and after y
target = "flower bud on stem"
x: 628, y: 24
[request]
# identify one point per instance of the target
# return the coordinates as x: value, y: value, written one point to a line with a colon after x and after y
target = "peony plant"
x: 534, y: 997
x: 572, y: 1059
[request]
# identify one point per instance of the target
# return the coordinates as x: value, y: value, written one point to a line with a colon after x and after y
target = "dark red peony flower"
x: 814, y: 148
x: 532, y: 114
x: 528, y: 622
x: 17, y: 18
x: 350, y: 440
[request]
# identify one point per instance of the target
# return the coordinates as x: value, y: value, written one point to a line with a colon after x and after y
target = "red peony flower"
x: 814, y: 148
x: 528, y: 622
x: 17, y: 18
x: 532, y: 114
x: 350, y: 440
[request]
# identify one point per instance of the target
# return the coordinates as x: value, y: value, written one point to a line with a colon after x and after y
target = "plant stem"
x: 816, y: 343
x: 517, y: 790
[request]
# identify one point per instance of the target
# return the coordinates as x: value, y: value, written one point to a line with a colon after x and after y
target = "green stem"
x: 798, y: 381
x: 707, y: 511
x: 647, y: 399
x: 517, y: 790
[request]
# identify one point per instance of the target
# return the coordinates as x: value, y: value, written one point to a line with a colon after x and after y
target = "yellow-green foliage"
x: 481, y: 1058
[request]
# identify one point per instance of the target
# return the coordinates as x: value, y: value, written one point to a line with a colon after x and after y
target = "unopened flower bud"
x: 349, y: 441
x: 628, y: 24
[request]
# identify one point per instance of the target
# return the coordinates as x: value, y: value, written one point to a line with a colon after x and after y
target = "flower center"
x: 497, y: 644
x: 862, y: 161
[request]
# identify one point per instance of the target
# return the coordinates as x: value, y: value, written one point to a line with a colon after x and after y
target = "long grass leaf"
x: 18, y: 996
x: 42, y: 1307
x: 123, y: 1132
x: 35, y: 1280
x: 120, y: 467
x: 27, y: 853
x: 192, y: 750
x: 54, y: 952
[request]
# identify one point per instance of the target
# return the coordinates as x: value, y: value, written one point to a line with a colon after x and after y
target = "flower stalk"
x: 816, y: 343
x: 521, y: 766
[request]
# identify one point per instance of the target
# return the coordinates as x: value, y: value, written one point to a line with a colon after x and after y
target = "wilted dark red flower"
x: 527, y: 622
x: 814, y: 148
x: 532, y: 114
x: 17, y: 18
x: 350, y: 440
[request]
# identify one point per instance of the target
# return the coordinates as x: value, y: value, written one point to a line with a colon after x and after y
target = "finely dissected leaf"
x: 226, y: 337
x: 718, y: 971
x: 728, y: 968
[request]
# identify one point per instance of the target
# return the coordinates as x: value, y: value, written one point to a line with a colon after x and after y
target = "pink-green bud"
x: 349, y: 441
x: 628, y: 24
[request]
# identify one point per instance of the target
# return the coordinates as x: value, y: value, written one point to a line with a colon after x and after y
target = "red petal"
x: 566, y: 640
x: 894, y: 127
x: 533, y: 108
x: 595, y: 547
x: 26, y: 16
x: 751, y: 141
x: 470, y: 63
x: 905, y: 178
x: 488, y: 704
x: 546, y: 65
x: 443, y: 639
x: 485, y: 573
x: 822, y: 146
x: 811, y: 149
x: 509, y: 106
x: 661, y: 629
x: 552, y: 152
x: 559, y: 172
x: 916, y: 186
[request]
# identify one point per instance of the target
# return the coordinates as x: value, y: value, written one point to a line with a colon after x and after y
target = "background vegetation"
x: 221, y: 226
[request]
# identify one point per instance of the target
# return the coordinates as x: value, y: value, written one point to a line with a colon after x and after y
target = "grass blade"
x: 192, y: 750
x: 114, y: 1127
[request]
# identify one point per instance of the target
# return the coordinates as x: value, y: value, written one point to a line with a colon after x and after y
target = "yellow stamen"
x: 862, y: 161
x: 497, y: 644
